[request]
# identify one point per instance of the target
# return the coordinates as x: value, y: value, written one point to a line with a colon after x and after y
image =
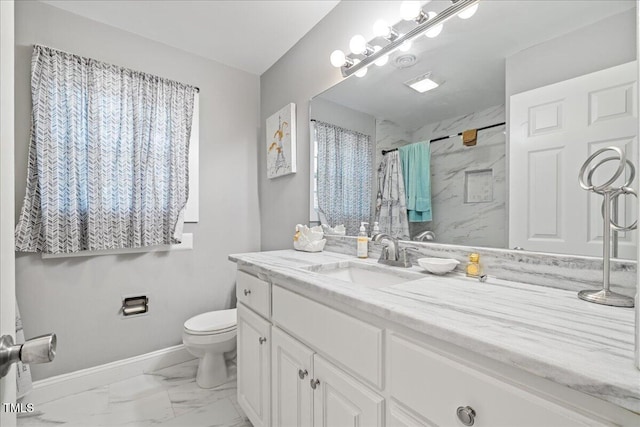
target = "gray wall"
x: 79, y: 298
x: 303, y: 72
x: 344, y: 117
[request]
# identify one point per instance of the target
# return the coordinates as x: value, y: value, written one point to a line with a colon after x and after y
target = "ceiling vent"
x: 405, y: 61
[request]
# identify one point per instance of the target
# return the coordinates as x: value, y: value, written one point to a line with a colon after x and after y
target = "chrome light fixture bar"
x: 445, y: 15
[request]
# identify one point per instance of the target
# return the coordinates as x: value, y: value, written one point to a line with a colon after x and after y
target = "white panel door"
x: 341, y: 401
x: 7, y: 222
x: 291, y: 372
x: 254, y: 341
x: 553, y: 129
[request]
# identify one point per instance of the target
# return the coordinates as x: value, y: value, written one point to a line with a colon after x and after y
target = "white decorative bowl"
x: 438, y: 265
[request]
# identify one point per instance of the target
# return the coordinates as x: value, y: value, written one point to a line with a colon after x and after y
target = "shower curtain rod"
x: 450, y: 136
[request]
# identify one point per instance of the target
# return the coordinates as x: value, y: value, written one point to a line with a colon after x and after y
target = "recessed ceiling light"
x: 422, y: 83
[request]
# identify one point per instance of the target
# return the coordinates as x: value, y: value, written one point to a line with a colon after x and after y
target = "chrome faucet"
x: 425, y: 236
x: 391, y: 253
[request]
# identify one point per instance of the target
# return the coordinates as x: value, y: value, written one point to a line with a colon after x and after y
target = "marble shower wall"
x: 457, y: 220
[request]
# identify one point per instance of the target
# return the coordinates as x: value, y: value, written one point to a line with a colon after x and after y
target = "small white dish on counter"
x: 438, y: 265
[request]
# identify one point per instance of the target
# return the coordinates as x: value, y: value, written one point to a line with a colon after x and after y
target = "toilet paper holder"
x: 135, y: 305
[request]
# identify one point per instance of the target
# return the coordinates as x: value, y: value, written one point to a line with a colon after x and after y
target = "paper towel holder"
x: 135, y: 305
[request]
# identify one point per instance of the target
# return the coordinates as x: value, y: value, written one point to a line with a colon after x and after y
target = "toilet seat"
x: 212, y: 323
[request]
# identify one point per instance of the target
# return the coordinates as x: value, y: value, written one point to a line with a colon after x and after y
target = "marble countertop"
x: 545, y: 331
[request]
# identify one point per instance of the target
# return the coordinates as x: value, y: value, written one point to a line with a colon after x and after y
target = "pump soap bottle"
x: 362, y: 248
x: 376, y: 229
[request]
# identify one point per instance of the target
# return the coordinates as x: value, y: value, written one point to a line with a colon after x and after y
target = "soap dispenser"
x: 474, y: 269
x: 362, y: 249
x: 376, y: 229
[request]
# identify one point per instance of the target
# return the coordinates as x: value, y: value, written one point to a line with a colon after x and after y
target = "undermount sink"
x: 369, y: 275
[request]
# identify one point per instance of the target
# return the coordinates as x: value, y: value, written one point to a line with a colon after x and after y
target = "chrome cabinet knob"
x: 466, y: 415
x: 314, y: 383
x: 262, y: 340
x: 247, y: 292
x: 302, y: 373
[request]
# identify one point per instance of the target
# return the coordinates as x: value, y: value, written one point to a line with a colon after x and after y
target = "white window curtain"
x: 108, y: 157
x: 344, y: 176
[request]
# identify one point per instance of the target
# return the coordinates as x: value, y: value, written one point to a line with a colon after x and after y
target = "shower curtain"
x: 108, y: 156
x: 391, y: 207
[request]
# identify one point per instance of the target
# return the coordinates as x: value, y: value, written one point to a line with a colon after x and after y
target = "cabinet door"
x: 254, y: 342
x: 291, y: 372
x: 340, y: 400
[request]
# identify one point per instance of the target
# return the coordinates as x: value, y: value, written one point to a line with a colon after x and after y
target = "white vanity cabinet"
x: 340, y: 400
x: 308, y: 363
x: 307, y: 390
x: 254, y: 349
x: 292, y: 373
x: 436, y: 387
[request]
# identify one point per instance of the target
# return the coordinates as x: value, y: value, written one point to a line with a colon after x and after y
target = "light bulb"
x: 361, y: 72
x: 468, y: 12
x: 410, y: 10
x: 358, y: 44
x: 338, y: 58
x: 435, y: 31
x: 382, y: 60
x: 381, y: 28
x: 405, y: 46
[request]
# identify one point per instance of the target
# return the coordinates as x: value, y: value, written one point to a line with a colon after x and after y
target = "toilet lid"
x: 213, y: 321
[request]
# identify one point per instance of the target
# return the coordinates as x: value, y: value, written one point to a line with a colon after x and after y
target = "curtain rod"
x: 450, y: 136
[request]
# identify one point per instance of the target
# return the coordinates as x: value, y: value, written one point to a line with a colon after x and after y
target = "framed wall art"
x: 281, y: 142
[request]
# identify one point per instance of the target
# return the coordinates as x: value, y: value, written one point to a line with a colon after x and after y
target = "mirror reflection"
x: 517, y: 98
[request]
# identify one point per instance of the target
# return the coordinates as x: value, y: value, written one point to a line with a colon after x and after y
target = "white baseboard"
x: 75, y: 382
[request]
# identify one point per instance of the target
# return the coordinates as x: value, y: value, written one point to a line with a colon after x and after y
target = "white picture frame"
x: 281, y: 142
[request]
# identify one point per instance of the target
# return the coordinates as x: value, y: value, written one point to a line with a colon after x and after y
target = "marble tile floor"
x: 167, y: 397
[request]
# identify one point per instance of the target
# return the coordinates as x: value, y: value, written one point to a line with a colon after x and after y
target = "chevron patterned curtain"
x: 344, y: 176
x: 108, y: 157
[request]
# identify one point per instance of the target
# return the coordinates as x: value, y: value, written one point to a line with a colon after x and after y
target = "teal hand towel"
x: 416, y: 169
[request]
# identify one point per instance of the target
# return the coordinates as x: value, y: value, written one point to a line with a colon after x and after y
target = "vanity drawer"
x: 434, y: 387
x: 349, y: 341
x: 254, y: 293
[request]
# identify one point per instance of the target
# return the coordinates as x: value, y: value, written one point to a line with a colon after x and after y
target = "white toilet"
x: 210, y: 337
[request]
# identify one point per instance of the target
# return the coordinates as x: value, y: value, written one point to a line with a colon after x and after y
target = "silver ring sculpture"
x: 611, y: 194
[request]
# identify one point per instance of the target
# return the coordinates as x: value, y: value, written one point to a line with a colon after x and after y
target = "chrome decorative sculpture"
x: 611, y: 194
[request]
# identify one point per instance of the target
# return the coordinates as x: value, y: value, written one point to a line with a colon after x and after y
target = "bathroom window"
x: 342, y: 165
x: 108, y: 157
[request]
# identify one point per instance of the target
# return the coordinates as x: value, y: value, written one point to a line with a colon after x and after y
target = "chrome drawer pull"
x: 262, y: 340
x: 314, y: 383
x: 466, y: 415
x: 247, y: 292
x: 302, y: 373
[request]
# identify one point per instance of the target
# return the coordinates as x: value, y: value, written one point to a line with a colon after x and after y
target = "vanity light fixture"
x: 383, y: 59
x: 469, y: 12
x: 435, y: 31
x: 339, y: 59
x: 423, y: 83
x: 412, y: 11
x: 428, y: 23
x: 359, y: 46
x: 382, y: 29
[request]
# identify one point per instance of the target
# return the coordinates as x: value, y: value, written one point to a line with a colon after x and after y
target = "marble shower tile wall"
x: 455, y: 221
x: 553, y: 270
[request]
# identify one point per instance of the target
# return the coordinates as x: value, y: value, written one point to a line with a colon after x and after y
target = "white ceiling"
x: 469, y: 55
x: 249, y: 35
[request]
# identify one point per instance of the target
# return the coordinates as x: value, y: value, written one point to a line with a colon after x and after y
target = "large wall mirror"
x: 544, y: 83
